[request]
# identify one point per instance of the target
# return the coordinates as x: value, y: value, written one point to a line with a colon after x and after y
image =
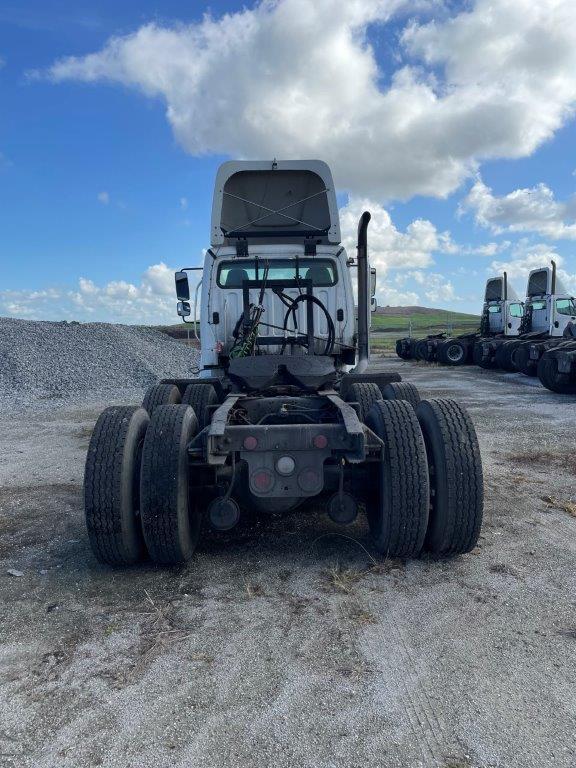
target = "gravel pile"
x: 47, y: 361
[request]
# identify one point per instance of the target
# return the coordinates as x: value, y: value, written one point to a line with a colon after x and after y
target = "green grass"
x: 440, y: 319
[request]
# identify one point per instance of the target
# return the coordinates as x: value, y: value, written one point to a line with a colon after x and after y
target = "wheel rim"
x: 454, y: 353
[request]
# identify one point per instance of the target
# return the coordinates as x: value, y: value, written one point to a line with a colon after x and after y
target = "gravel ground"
x: 284, y: 643
x: 44, y: 361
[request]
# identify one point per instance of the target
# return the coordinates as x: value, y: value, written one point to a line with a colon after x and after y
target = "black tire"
x: 404, y: 348
x: 524, y: 364
x: 452, y: 352
x: 170, y: 522
x: 160, y: 394
x: 365, y: 393
x: 478, y: 359
x: 504, y: 354
x: 402, y: 390
x: 421, y: 349
x: 111, y: 485
x: 398, y: 510
x: 456, y: 483
x: 552, y: 379
x: 199, y: 397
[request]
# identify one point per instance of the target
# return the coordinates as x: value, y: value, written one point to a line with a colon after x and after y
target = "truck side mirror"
x: 373, y: 304
x: 372, y: 282
x: 183, y: 308
x: 182, y: 288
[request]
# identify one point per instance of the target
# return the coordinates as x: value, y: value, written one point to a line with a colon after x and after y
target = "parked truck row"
x: 536, y: 336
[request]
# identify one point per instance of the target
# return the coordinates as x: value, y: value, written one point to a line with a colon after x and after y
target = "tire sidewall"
x: 440, y: 522
x: 188, y: 519
x: 130, y: 485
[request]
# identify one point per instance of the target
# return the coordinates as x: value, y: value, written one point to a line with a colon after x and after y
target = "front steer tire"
x: 160, y: 394
x: 170, y: 521
x: 456, y: 484
x: 398, y: 510
x: 111, y: 485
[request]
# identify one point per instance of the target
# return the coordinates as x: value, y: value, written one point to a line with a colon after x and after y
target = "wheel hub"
x: 454, y: 353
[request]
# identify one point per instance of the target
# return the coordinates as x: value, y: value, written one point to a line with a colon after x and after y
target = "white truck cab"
x: 549, y: 306
x: 277, y: 222
x: 503, y: 310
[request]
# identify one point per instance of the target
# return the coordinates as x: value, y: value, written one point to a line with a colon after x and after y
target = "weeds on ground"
x: 253, y: 590
x: 360, y: 615
x: 343, y: 579
x: 564, y: 506
x: 566, y: 460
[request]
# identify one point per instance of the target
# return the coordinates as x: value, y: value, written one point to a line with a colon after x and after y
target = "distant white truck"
x: 549, y: 313
x: 501, y: 317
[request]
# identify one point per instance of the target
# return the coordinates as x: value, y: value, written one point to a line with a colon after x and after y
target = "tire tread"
x: 103, y: 486
x: 395, y: 422
x: 463, y: 467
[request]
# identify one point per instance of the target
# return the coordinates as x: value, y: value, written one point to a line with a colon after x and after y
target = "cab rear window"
x: 322, y: 272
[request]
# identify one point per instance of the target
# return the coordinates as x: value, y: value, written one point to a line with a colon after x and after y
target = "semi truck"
x: 286, y: 412
x: 549, y: 312
x: 501, y: 316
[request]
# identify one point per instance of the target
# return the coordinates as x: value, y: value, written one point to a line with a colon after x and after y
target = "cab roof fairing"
x: 315, y: 171
x: 495, y: 291
x: 540, y: 283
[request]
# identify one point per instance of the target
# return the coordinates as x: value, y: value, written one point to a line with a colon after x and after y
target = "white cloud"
x: 532, y: 209
x: 439, y: 290
x: 388, y: 296
x: 389, y: 247
x: 183, y: 203
x: 405, y: 254
x: 103, y: 197
x: 293, y: 78
x: 527, y: 256
x: 487, y: 249
x: 151, y: 301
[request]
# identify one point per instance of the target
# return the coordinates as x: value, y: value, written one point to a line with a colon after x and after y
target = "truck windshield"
x: 322, y: 272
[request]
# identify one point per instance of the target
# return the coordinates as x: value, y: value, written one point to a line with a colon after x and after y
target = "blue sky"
x: 107, y: 158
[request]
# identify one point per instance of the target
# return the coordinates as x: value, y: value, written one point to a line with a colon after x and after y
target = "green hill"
x: 399, y: 318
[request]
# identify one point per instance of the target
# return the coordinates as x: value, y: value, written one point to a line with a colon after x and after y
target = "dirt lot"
x: 284, y: 644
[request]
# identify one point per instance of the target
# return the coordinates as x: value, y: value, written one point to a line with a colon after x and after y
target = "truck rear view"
x: 285, y: 410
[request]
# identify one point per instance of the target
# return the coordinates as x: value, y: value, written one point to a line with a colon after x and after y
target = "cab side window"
x: 566, y: 306
x: 516, y: 310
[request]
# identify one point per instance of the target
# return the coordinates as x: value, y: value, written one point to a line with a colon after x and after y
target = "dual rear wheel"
x: 428, y: 489
x: 136, y: 482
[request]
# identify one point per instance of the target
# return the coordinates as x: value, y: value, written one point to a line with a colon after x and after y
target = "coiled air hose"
x: 329, y: 348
